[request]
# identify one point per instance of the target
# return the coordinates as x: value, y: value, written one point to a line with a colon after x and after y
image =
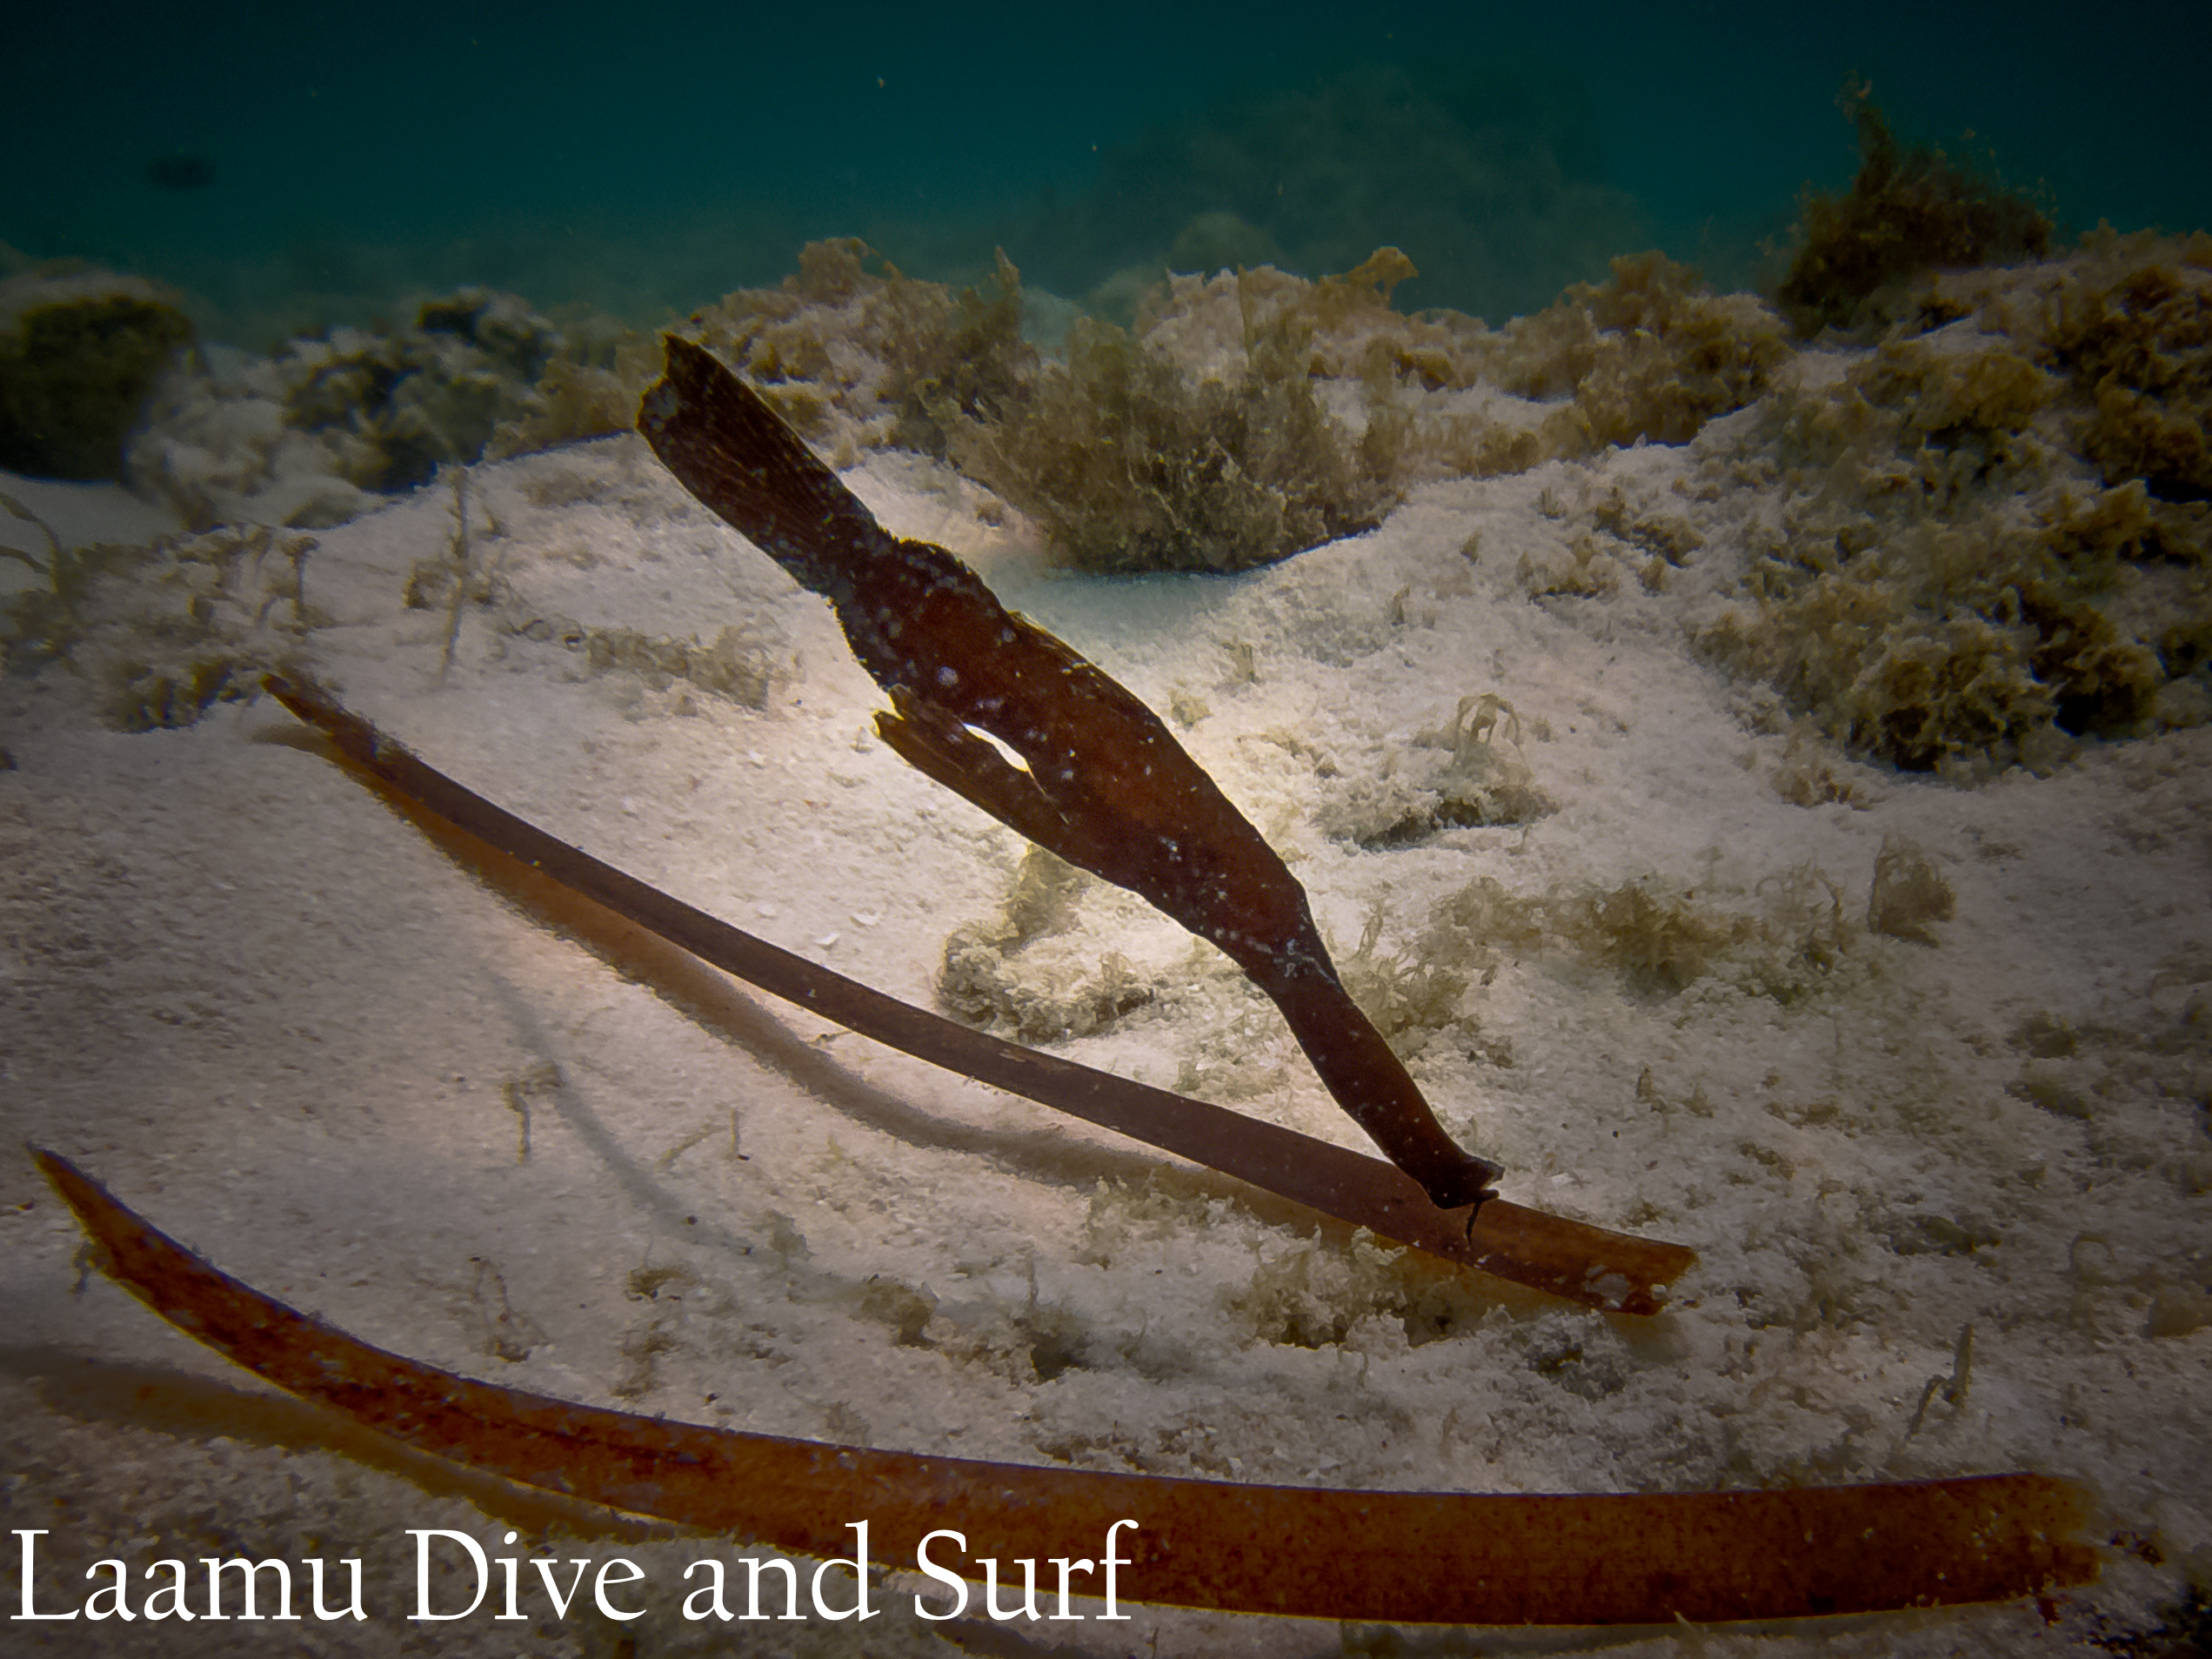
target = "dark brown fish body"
x: 1106, y: 785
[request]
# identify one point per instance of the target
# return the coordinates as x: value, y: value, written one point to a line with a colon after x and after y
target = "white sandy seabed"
x: 270, y: 1013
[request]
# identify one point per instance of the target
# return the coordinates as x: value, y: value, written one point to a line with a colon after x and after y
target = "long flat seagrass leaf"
x: 1448, y: 1557
x: 1590, y: 1265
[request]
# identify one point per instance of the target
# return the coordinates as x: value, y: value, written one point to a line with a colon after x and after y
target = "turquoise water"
x: 291, y: 166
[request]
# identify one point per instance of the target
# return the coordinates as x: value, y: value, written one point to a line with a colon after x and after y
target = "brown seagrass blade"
x: 1456, y: 1557
x: 1590, y: 1265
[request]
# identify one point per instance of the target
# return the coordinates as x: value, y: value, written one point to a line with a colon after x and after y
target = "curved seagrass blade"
x: 1470, y: 1558
x: 1585, y: 1264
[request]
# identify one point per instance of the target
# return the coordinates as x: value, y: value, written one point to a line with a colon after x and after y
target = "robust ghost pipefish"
x: 1105, y: 784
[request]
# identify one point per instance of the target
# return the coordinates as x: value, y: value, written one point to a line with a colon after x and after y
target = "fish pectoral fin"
x: 941, y: 748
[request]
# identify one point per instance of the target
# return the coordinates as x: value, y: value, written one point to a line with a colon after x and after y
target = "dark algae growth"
x: 1910, y: 209
x: 1105, y: 785
x: 1132, y: 464
x: 78, y: 359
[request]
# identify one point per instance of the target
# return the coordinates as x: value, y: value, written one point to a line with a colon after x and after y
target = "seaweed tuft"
x: 1910, y: 209
x: 1462, y: 775
x: 856, y: 354
x: 1909, y: 894
x: 80, y: 355
x: 1131, y: 463
x: 2138, y: 340
x: 163, y: 634
x: 1029, y: 971
x: 1650, y: 353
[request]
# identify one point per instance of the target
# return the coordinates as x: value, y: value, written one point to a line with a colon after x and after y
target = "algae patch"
x: 855, y: 354
x: 1469, y: 772
x: 1957, y: 573
x: 1650, y: 353
x: 1030, y: 970
x: 164, y: 632
x: 80, y: 354
x: 1909, y: 210
x: 2135, y: 332
x: 1244, y: 416
x: 310, y: 436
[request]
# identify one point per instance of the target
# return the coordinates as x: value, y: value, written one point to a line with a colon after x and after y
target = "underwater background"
x: 1748, y: 754
x: 292, y: 167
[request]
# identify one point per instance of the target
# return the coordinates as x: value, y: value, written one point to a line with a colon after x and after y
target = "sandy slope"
x: 270, y: 1012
